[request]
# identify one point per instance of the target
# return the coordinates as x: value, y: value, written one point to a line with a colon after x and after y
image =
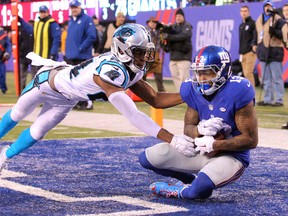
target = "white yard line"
x: 152, y: 208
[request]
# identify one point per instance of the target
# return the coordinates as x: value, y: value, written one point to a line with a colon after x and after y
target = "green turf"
x: 268, y: 117
x: 64, y: 132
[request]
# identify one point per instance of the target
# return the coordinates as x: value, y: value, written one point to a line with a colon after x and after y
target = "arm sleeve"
x: 25, y: 26
x: 126, y: 107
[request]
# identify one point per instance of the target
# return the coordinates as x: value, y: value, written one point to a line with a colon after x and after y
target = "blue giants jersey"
x: 234, y: 95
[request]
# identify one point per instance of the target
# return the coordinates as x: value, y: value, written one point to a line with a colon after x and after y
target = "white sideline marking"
x: 11, y: 174
x: 80, y: 132
x: 153, y: 208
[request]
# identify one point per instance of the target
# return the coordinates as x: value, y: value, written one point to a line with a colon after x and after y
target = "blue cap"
x: 43, y: 8
x: 74, y: 3
x: 267, y: 2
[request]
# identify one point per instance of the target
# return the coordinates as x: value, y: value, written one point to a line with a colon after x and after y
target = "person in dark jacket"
x: 81, y: 36
x: 271, y: 33
x: 47, y: 36
x: 247, y: 44
x: 157, y: 66
x: 26, y: 42
x: 180, y: 48
x: 5, y: 53
x: 99, y: 36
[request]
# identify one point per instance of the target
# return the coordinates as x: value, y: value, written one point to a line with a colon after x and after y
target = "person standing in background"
x: 81, y: 35
x: 47, y: 36
x: 63, y: 39
x: 247, y: 44
x: 108, y: 34
x: 271, y: 32
x: 97, y: 43
x: 285, y: 15
x: 5, y: 53
x: 26, y: 43
x: 180, y: 48
x: 157, y: 66
x: 285, y: 12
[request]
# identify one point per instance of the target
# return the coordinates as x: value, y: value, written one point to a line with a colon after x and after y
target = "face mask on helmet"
x: 132, y: 45
x: 211, y: 69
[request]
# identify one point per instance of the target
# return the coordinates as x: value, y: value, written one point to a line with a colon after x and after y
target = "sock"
x: 201, y: 188
x: 24, y: 141
x: 186, y: 178
x: 6, y: 123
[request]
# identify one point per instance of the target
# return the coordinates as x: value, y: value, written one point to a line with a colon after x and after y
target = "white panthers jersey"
x: 77, y: 83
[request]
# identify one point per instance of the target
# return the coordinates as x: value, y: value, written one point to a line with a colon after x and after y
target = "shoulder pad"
x: 113, y: 72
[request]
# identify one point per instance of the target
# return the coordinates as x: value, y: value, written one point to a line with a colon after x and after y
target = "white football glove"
x: 210, y: 127
x: 204, y: 144
x: 184, y: 145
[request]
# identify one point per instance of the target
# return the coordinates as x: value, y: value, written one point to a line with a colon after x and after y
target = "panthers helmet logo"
x: 124, y: 33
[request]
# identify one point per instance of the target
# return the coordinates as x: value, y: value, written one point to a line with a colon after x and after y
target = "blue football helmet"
x: 132, y: 45
x: 211, y: 58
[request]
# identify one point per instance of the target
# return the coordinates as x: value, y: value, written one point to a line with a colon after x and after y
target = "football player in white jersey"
x: 59, y: 87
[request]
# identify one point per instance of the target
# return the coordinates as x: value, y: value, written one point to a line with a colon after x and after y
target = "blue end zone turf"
x: 85, y: 176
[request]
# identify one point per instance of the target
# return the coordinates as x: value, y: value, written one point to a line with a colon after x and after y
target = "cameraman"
x: 156, y: 68
x: 271, y: 31
x: 180, y: 48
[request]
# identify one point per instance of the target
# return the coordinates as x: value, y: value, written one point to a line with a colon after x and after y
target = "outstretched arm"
x: 124, y: 104
x: 156, y: 99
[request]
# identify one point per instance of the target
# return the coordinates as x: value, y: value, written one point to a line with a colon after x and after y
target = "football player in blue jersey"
x: 220, y: 118
x: 60, y: 86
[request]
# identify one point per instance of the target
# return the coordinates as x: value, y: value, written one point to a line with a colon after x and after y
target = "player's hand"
x: 204, y: 144
x: 184, y: 145
x: 210, y: 127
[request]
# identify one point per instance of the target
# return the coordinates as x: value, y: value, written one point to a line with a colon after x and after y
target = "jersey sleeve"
x: 186, y: 92
x: 113, y: 73
x: 245, y: 95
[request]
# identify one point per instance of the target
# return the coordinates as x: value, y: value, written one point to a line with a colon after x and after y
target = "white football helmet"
x: 132, y: 45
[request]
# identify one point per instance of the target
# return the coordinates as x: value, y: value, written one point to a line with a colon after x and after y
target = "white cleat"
x: 3, y: 157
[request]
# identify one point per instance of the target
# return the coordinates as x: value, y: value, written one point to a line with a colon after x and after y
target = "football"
x: 219, y: 136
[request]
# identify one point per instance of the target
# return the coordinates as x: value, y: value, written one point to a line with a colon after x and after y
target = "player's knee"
x: 37, y: 133
x: 201, y: 188
x: 17, y: 114
x: 159, y: 154
x: 144, y: 161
